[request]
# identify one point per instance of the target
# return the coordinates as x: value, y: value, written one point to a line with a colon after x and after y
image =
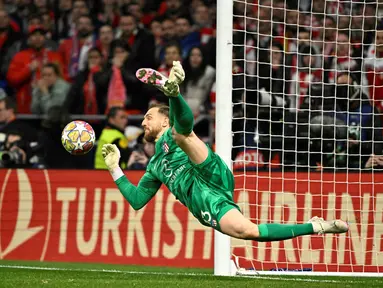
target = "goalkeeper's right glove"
x: 112, y: 156
x: 177, y: 73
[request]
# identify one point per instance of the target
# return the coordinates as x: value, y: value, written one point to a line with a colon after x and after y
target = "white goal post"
x: 310, y: 137
x: 222, y: 253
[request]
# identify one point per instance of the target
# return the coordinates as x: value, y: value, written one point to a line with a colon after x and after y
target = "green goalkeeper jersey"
x: 170, y: 166
x: 206, y: 189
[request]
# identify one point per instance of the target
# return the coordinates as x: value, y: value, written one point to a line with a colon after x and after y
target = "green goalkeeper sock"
x: 277, y: 232
x: 181, y: 115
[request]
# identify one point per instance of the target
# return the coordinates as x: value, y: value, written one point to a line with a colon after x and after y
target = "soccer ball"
x: 78, y: 137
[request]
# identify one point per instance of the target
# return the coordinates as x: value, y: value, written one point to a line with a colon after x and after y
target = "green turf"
x: 25, y: 274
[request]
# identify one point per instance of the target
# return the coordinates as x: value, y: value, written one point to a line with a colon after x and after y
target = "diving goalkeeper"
x: 196, y: 176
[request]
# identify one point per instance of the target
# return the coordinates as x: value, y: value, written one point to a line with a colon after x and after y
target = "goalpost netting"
x: 307, y: 131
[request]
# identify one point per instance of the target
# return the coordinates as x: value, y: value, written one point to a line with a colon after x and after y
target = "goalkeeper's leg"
x: 181, y: 116
x: 234, y: 224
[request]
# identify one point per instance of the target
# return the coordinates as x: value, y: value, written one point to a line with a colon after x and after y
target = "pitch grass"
x: 22, y: 274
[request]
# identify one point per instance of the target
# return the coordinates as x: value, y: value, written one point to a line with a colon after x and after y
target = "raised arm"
x: 137, y: 196
x: 181, y: 116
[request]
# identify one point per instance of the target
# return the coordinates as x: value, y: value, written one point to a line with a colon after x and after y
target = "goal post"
x: 223, y: 136
x: 310, y: 135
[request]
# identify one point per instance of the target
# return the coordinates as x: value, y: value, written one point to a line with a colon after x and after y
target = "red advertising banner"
x: 80, y: 216
x: 296, y: 197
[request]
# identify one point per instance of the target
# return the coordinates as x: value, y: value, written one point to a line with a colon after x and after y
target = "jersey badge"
x: 165, y: 147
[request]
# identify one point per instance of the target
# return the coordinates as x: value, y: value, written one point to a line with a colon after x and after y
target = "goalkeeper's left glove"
x: 112, y: 156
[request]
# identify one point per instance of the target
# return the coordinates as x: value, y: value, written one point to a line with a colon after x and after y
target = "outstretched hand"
x: 177, y: 74
x: 111, y: 156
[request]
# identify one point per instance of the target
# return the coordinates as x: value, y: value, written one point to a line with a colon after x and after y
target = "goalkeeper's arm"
x: 136, y: 196
x: 181, y: 116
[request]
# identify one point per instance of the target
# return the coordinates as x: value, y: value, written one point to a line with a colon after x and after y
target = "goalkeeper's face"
x: 154, y: 124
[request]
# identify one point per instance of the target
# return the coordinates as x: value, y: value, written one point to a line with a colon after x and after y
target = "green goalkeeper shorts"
x: 212, y: 191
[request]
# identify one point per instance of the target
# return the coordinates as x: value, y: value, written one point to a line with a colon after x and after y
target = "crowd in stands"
x: 313, y: 75
x: 307, y: 78
x: 59, y: 58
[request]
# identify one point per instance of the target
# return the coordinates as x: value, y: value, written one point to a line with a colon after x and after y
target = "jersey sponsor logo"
x: 176, y: 173
x: 165, y: 147
x: 168, y: 172
x: 165, y: 168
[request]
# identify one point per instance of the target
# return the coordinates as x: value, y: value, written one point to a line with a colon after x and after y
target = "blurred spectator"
x: 273, y: 73
x: 308, y: 72
x: 41, y: 6
x: 75, y: 49
x: 255, y: 45
x: 64, y: 20
x: 49, y: 25
x: 278, y: 15
x: 365, y: 133
x: 135, y: 8
x: 213, y: 13
x: 373, y: 66
x: 368, y: 12
x: 318, y: 8
x: 8, y: 36
x: 172, y: 9
x: 118, y: 80
x: 210, y: 51
x: 342, y: 59
x: 113, y: 133
x: 327, y: 38
x: 80, y: 8
x: 25, y: 68
x: 51, y: 90
x: 168, y: 35
x: 84, y: 97
x: 344, y: 23
x: 34, y: 19
x: 203, y: 23
x: 19, y: 11
x: 198, y: 82
x: 186, y: 36
x: 292, y: 56
x: 9, y: 122
x: 141, y: 42
x: 17, y: 152
x: 292, y: 23
x: 49, y: 44
x: 156, y: 29
x: 172, y: 53
x: 106, y: 38
x: 109, y: 14
x: 141, y: 154
x: 168, y: 30
x: 20, y: 146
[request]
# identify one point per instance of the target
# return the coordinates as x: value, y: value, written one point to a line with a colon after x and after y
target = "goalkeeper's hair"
x: 162, y: 108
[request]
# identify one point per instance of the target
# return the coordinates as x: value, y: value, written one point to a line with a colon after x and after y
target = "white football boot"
x: 322, y: 226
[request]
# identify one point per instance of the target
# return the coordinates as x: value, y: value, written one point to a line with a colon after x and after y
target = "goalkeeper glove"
x: 176, y: 77
x: 112, y: 156
x: 177, y: 73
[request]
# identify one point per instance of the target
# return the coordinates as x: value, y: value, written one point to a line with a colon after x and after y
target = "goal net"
x: 307, y: 88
